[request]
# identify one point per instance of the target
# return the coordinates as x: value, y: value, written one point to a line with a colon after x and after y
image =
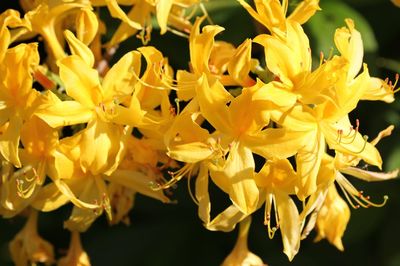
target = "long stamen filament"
x: 352, y: 194
x: 176, y: 176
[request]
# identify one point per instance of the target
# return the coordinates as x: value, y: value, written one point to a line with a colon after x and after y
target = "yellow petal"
x: 212, y: 99
x: 269, y: 13
x: 333, y: 218
x: 118, y: 82
x: 349, y: 43
x: 117, y: 12
x: 79, y: 48
x: 308, y: 161
x: 9, y: 141
x: 138, y: 182
x: 240, y: 64
x: 87, y: 25
x: 351, y: 142
x: 202, y: 195
x: 81, y: 218
x: 201, y: 45
x: 226, y: 220
x: 276, y: 142
x: 163, y: 9
x: 289, y: 223
x: 239, y: 174
x: 101, y: 143
x: 81, y: 82
x: 65, y: 113
x: 38, y: 138
x: 140, y: 14
x: 304, y: 11
x: 28, y: 247
x: 370, y: 175
x: 49, y: 199
x: 378, y: 90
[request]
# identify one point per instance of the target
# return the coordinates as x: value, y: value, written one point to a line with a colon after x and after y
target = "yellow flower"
x: 76, y: 255
x: 235, y: 175
x: 240, y: 255
x: 19, y: 188
x: 271, y: 13
x: 167, y: 12
x: 396, y: 2
x: 49, y: 18
x: 326, y: 205
x: 340, y: 135
x: 28, y: 247
x: 97, y: 104
x: 204, y: 52
x: 17, y: 98
x: 332, y: 218
x: 279, y: 181
x: 10, y: 19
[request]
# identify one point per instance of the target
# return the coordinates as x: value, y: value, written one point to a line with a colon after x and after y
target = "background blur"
x: 173, y: 235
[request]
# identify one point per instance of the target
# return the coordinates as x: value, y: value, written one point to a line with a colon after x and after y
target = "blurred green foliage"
x: 173, y: 235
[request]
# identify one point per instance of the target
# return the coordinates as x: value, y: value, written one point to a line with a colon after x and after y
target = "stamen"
x: 204, y: 10
x: 175, y: 177
x: 179, y: 33
x: 28, y: 182
x: 190, y: 190
x: 321, y: 58
x: 267, y: 218
x: 177, y: 106
x: 395, y: 84
x: 352, y: 194
x: 105, y: 204
x: 145, y: 34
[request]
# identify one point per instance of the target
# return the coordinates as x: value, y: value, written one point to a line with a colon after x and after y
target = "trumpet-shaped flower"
x: 168, y: 13
x: 28, y: 247
x: 11, y: 27
x: 240, y: 255
x: 236, y: 175
x: 48, y: 18
x: 332, y: 218
x: 202, y: 46
x: 272, y: 13
x: 97, y: 104
x: 279, y: 180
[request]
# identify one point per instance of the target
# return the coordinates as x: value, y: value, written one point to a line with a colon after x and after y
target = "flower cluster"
x: 76, y: 130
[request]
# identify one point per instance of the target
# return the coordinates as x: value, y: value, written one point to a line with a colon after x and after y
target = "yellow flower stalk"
x: 240, y: 255
x: 76, y: 255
